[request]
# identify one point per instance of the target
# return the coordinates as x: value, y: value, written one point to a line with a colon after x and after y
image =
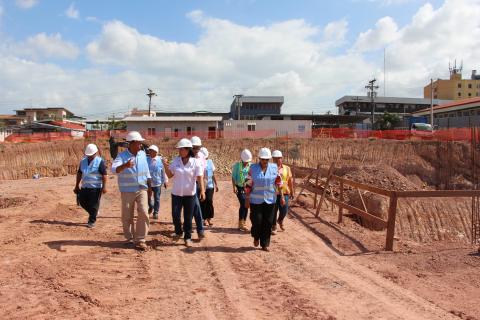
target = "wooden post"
x: 324, y: 193
x: 316, y: 185
x: 392, y: 214
x: 340, y: 208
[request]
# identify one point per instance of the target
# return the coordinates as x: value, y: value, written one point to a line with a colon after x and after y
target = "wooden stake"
x: 392, y: 214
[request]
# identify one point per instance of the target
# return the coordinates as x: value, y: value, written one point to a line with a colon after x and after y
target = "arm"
x: 215, y: 182
x: 202, y: 187
x: 248, y: 188
x: 234, y: 185
x: 168, y: 171
x: 118, y: 165
x: 77, y: 183
x: 291, y: 186
x: 103, y: 171
x: 104, y: 183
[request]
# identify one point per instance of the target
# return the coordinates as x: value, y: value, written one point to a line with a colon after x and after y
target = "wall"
x: 197, y: 126
x: 270, y: 128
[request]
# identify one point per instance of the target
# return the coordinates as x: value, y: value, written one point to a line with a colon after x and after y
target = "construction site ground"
x: 52, y: 266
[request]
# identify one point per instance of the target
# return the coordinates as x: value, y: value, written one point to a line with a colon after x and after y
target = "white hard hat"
x: 91, y: 149
x: 134, y: 136
x: 265, y: 153
x: 184, y: 143
x: 204, y: 151
x: 246, y: 155
x: 196, y: 141
x: 153, y: 147
x: 277, y: 154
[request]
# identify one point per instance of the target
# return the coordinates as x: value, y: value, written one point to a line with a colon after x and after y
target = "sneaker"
x: 274, y: 232
x: 176, y: 237
x: 90, y: 225
x: 201, y: 235
x: 129, y: 242
x: 265, y: 249
x: 210, y: 223
x: 142, y: 246
x: 256, y: 242
x: 150, y: 210
x: 155, y: 216
x: 188, y: 243
x: 282, y: 227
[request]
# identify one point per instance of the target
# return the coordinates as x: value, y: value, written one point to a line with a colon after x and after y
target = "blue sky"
x: 313, y: 52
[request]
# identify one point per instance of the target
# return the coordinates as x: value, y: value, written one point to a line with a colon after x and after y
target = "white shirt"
x: 185, y: 176
x: 202, y: 160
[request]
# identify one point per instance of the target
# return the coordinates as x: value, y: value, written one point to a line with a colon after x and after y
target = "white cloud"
x: 384, y: 33
x: 26, y: 4
x: 43, y: 45
x: 72, y: 12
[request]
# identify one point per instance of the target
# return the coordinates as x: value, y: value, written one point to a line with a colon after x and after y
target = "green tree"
x: 387, y: 121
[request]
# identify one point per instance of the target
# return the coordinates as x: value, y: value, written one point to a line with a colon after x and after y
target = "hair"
x: 190, y: 153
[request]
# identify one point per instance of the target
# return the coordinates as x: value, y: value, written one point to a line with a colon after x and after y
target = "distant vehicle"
x: 421, y: 130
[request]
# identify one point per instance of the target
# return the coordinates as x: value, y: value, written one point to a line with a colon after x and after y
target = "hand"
x: 216, y: 188
x: 202, y: 196
x: 165, y: 185
x: 104, y: 190
x: 164, y: 161
x: 234, y: 190
x: 76, y: 190
x: 247, y: 203
x: 292, y: 196
x: 282, y: 201
x: 129, y: 164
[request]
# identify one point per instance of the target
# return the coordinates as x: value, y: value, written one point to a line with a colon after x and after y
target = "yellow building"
x: 455, y: 88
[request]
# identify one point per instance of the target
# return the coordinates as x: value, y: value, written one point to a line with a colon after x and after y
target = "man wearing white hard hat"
x: 134, y: 179
x: 187, y: 173
x: 92, y: 173
x: 197, y: 212
x: 261, y: 187
x: 288, y: 191
x: 239, y: 173
x: 159, y: 179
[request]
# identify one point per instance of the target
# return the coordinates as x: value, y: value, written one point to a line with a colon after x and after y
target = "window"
x: 251, y: 126
x: 175, y: 132
x: 151, y: 131
x: 469, y: 94
x: 459, y: 86
x: 189, y: 131
x: 459, y: 94
x: 469, y: 86
x: 466, y: 113
x: 301, y: 128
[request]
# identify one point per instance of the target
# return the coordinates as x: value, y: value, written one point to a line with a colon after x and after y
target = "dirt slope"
x: 53, y: 267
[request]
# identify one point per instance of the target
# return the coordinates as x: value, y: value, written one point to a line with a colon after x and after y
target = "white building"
x: 267, y: 128
x: 175, y: 126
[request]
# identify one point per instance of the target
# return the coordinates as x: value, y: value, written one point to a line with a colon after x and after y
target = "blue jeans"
x: 283, y: 210
x: 188, y: 204
x: 155, y: 203
x: 197, y: 213
x: 242, y: 211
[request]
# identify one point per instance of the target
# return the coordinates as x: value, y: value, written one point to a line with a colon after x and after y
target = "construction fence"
x: 452, y: 134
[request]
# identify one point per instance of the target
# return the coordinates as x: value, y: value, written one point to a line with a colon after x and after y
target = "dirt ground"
x: 52, y: 266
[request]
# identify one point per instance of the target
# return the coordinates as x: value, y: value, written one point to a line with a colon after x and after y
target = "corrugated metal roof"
x: 172, y: 119
x: 389, y: 100
x: 262, y: 99
x: 452, y: 106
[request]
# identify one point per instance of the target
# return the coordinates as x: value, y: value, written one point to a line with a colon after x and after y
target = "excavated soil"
x: 53, y: 267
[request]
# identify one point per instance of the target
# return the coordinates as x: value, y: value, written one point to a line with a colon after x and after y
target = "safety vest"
x: 209, y: 174
x: 285, y: 175
x: 135, y: 178
x: 239, y: 173
x: 91, y: 177
x: 263, y: 184
x: 156, y: 171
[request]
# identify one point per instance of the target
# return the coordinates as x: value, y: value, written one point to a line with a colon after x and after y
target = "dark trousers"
x: 89, y: 199
x: 279, y: 210
x: 207, y: 206
x: 188, y: 204
x: 242, y: 211
x: 154, y: 204
x: 261, y: 216
x: 197, y: 213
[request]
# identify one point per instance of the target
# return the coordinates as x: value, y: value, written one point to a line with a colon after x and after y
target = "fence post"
x: 392, y: 214
x: 340, y: 208
x: 316, y: 185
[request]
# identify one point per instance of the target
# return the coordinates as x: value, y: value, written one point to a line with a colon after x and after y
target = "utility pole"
x: 357, y: 108
x: 238, y: 104
x: 431, y: 102
x: 371, y: 87
x: 150, y: 94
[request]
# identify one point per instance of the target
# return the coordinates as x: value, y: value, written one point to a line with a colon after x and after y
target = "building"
x: 267, y: 128
x: 454, y: 88
x: 318, y: 120
x: 224, y: 115
x: 248, y: 107
x: 8, y: 120
x: 456, y: 114
x: 135, y: 112
x: 362, y: 105
x: 176, y: 126
x: 40, y: 114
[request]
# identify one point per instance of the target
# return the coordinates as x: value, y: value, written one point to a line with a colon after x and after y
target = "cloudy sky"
x: 99, y: 57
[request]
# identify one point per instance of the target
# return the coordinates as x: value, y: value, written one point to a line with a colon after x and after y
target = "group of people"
x: 265, y: 188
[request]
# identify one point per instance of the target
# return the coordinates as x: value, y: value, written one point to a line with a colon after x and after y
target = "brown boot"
x: 240, y: 224
x: 244, y: 226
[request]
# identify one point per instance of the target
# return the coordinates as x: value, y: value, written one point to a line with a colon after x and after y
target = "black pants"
x: 207, y: 206
x: 89, y: 199
x: 262, y: 217
x: 242, y: 211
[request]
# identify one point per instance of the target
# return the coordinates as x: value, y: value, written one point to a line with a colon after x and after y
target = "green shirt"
x: 239, y: 173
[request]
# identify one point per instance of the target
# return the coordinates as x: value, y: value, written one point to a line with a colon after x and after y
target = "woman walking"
x: 93, y: 175
x: 239, y: 173
x: 186, y: 172
x: 208, y: 210
x: 288, y: 191
x: 261, y: 185
x: 159, y: 179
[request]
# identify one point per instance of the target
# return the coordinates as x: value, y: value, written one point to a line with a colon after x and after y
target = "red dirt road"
x: 52, y: 266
